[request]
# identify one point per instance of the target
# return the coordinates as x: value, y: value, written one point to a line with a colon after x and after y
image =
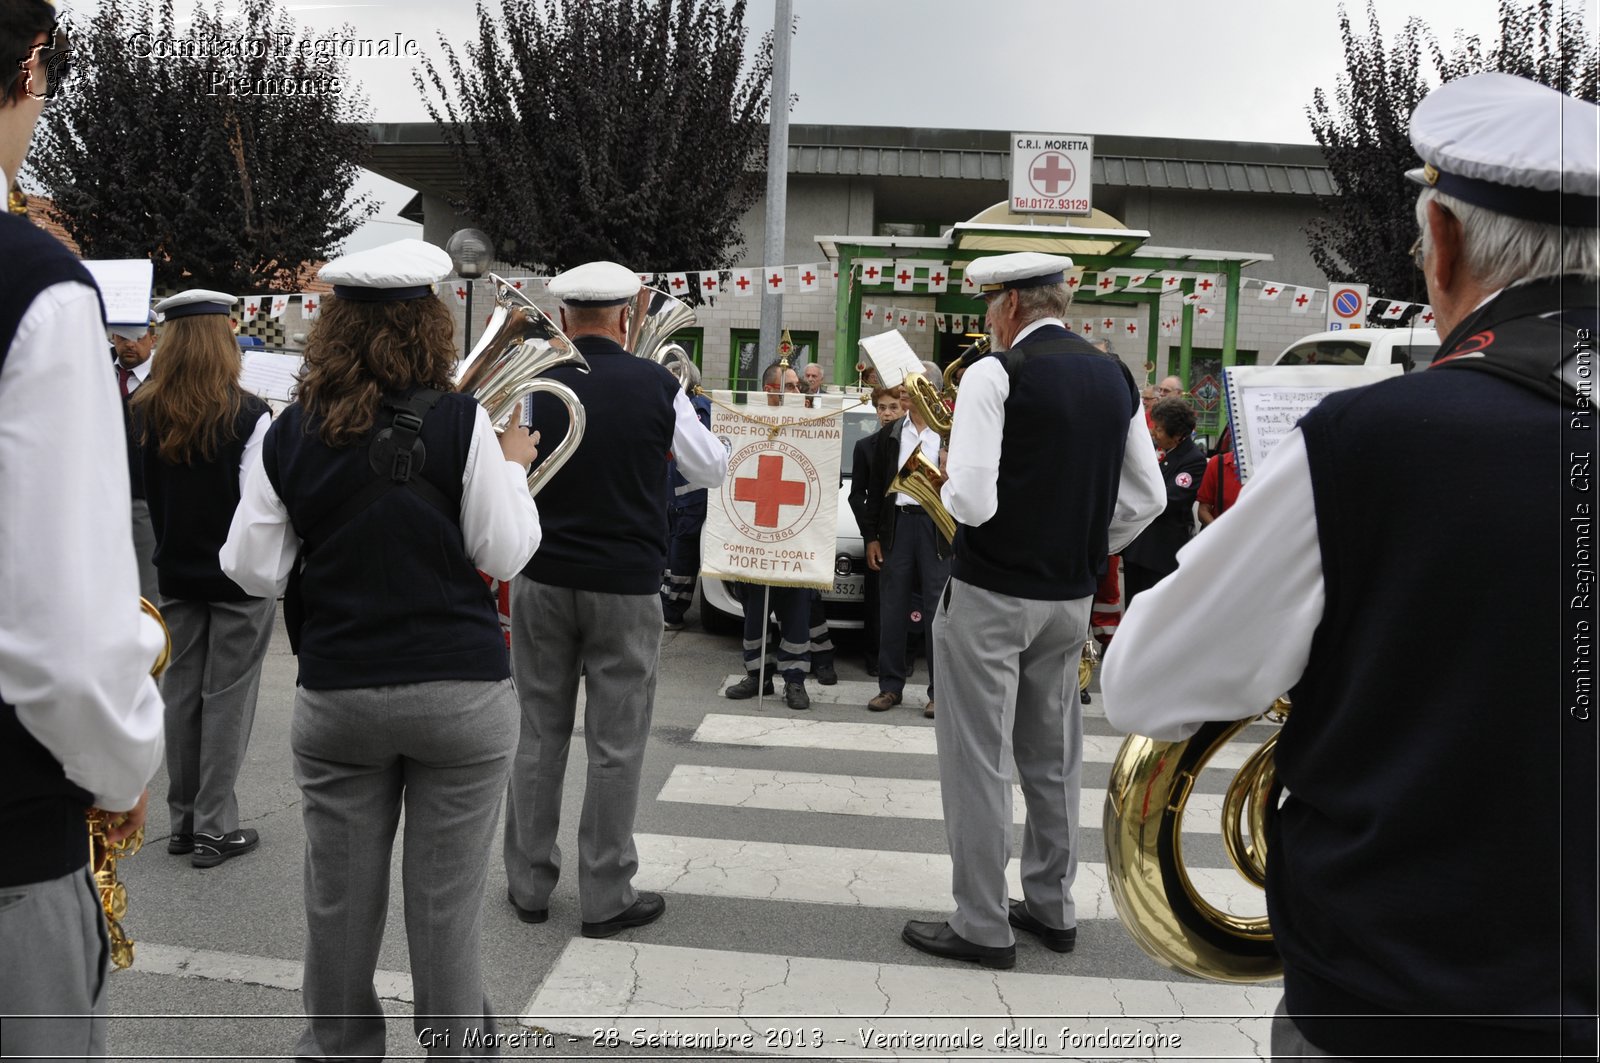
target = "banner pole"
x: 766, y: 611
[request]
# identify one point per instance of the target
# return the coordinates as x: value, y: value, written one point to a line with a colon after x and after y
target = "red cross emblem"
x: 461, y: 293
x: 902, y: 276
x: 937, y: 277
x: 905, y: 319
x: 776, y: 280
x: 1106, y: 283
x: 1074, y: 280
x: 871, y: 313
x: 871, y: 273
x: 1107, y: 323
x: 1052, y: 174
x: 1271, y: 291
x: 921, y: 320
x: 517, y: 284
x: 1205, y: 285
x: 1301, y: 299
x: 807, y: 278
x: 1428, y: 317
x: 1133, y: 329
x: 769, y: 490
x: 710, y: 282
x: 677, y: 282
x: 1203, y: 311
x: 743, y: 283
x: 1172, y: 280
x: 309, y: 306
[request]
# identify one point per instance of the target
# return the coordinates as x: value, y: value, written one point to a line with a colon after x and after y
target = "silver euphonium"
x: 654, y: 316
x: 519, y: 344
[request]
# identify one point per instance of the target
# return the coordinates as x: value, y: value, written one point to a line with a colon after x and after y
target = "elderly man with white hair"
x: 1420, y: 757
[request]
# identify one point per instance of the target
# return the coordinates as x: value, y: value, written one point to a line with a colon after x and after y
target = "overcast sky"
x: 1203, y: 69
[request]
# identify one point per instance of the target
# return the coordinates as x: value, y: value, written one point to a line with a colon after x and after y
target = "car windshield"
x: 1325, y: 352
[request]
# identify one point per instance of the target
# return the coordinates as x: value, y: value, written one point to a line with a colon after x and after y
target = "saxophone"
x: 103, y: 854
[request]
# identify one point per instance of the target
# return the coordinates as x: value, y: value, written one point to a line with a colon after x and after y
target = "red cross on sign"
x: 1051, y: 173
x: 769, y: 490
x: 743, y: 283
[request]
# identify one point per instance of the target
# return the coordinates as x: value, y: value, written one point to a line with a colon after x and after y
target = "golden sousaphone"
x: 520, y: 343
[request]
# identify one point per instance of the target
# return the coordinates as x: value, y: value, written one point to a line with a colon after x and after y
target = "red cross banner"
x: 1301, y: 303
x: 938, y: 276
x: 710, y: 282
x: 280, y: 303
x: 252, y: 305
x: 775, y: 518
x: 1425, y: 318
x: 876, y: 270
x: 1086, y: 327
x: 744, y: 282
x: 773, y: 276
x: 905, y: 275
x: 967, y: 285
x: 810, y: 278
x: 310, y: 306
x: 678, y: 284
x: 460, y: 292
x: 1394, y: 311
x: 871, y: 314
x: 1270, y: 290
x: 1130, y: 329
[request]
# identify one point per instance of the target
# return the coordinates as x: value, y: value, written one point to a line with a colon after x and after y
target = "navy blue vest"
x: 1066, y: 428
x: 191, y: 506
x: 604, y: 515
x: 1459, y: 871
x: 391, y: 596
x: 41, y: 812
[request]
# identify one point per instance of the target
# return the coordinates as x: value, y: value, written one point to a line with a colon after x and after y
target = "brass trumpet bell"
x: 519, y: 344
x: 653, y: 317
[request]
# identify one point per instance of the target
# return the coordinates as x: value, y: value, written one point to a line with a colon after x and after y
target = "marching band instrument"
x: 919, y: 477
x: 521, y: 343
x: 103, y: 854
x: 653, y: 317
x: 1156, y: 901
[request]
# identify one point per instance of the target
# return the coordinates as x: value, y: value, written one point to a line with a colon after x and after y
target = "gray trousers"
x: 614, y: 641
x: 441, y: 751
x: 911, y: 564
x: 210, y: 690
x: 1008, y: 689
x: 144, y: 551
x: 54, y: 939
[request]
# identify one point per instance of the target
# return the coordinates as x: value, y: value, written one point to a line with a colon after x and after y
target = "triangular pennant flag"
x: 905, y: 275
x: 678, y: 283
x: 938, y: 276
x: 1270, y: 290
x: 772, y: 277
x: 310, y: 306
x: 1301, y: 303
x: 744, y: 282
x: 280, y: 303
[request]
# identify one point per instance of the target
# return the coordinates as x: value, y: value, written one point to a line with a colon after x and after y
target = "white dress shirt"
x: 911, y: 438
x: 499, y: 521
x: 75, y: 651
x: 970, y: 492
x: 1256, y: 576
x: 702, y: 459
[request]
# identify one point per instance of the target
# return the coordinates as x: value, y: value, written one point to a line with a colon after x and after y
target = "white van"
x: 1411, y: 348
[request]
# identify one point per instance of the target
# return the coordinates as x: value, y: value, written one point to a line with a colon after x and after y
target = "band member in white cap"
x: 1050, y: 468
x: 80, y: 718
x: 131, y: 348
x: 1419, y: 755
x: 387, y: 490
x: 197, y: 429
x: 589, y: 605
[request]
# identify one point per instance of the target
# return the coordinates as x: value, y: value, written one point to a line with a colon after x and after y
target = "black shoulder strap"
x: 396, y: 455
x: 1532, y: 335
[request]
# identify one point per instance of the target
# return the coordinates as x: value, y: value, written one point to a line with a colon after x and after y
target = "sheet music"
x: 891, y: 356
x: 270, y: 375
x: 1266, y: 402
x: 125, y: 285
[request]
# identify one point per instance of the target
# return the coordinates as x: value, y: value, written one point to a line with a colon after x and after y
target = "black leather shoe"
x: 212, y: 849
x: 746, y: 688
x: 1053, y: 939
x: 528, y: 915
x: 180, y: 844
x: 937, y: 939
x: 795, y: 696
x: 825, y: 674
x: 647, y: 909
x: 1083, y: 695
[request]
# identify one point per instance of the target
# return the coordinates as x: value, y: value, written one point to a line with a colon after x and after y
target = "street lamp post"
x: 470, y: 251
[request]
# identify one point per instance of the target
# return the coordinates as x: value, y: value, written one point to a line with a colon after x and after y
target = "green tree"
x: 224, y: 152
x: 629, y: 130
x: 1364, y: 231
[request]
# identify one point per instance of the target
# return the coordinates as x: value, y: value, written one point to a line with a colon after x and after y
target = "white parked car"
x: 845, y: 605
x: 1411, y: 348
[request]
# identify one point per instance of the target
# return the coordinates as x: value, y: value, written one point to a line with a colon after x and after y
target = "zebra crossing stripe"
x: 910, y: 738
x: 873, y: 878
x: 671, y: 997
x: 856, y: 795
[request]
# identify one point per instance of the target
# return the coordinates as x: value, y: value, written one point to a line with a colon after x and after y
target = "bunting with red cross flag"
x: 709, y: 282
x: 810, y: 279
x: 938, y: 276
x: 678, y: 284
x: 772, y: 278
x: 744, y: 282
x: 774, y: 520
x: 460, y: 292
x: 1301, y: 303
x: 876, y: 270
x: 252, y: 305
x: 905, y: 275
x: 1270, y: 290
x: 280, y: 303
x: 310, y: 306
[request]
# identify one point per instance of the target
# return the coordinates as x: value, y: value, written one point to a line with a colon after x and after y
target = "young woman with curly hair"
x: 390, y: 492
x: 196, y: 430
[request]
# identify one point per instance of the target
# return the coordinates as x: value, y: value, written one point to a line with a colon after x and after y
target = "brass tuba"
x: 653, y: 317
x: 1165, y: 914
x: 519, y: 344
x: 919, y: 477
x: 103, y: 855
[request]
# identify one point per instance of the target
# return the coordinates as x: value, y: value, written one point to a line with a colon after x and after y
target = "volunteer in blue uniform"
x: 80, y: 718
x: 1432, y: 779
x: 131, y: 349
x: 197, y: 430
x: 1154, y: 554
x: 686, y: 511
x: 1050, y: 467
x: 389, y: 491
x: 589, y: 605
